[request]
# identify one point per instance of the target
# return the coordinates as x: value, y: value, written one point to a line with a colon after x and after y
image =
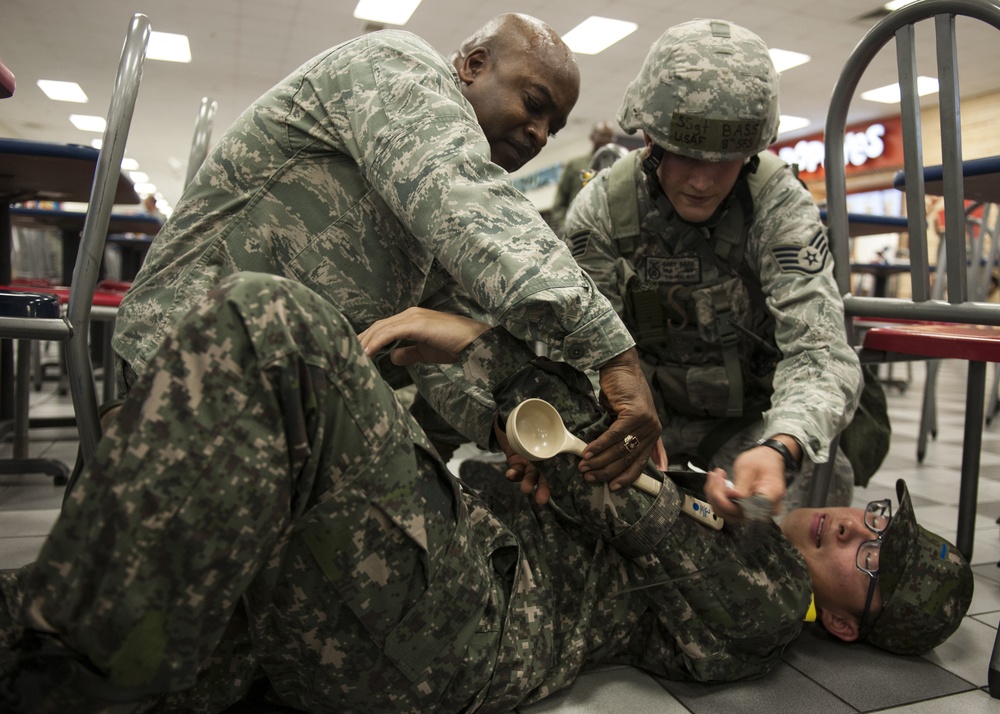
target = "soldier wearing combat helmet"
x: 714, y: 255
x: 708, y: 90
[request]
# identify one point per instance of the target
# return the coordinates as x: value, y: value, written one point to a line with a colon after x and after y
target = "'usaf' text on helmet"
x: 708, y: 90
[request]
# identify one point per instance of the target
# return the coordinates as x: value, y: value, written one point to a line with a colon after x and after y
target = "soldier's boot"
x: 46, y: 677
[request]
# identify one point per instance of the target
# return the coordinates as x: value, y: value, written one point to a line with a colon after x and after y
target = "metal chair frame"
x: 74, y: 328
x: 924, y: 306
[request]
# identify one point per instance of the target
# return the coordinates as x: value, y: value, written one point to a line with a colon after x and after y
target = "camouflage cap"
x: 926, y: 585
x: 707, y: 89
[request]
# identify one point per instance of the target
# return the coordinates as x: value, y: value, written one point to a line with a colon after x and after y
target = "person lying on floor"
x: 263, y: 509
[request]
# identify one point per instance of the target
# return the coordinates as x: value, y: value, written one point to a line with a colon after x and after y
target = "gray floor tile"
x: 17, y: 524
x: 974, y: 702
x: 990, y: 509
x: 967, y: 652
x: 783, y: 691
x: 867, y: 678
x: 609, y: 690
x: 987, y: 571
x: 987, y: 547
x: 986, y: 596
x: 35, y: 493
x: 19, y: 551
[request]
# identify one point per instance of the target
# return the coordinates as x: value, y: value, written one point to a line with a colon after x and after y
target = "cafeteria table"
x: 140, y: 229
x: 40, y: 171
x: 980, y: 179
x: 132, y: 232
x: 864, y: 224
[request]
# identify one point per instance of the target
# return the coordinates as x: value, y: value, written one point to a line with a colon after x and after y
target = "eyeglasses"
x: 877, y: 517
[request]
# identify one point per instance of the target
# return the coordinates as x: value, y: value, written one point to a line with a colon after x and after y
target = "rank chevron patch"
x: 806, y: 260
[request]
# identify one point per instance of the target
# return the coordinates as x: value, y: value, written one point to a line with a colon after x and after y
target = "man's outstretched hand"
x: 619, y: 454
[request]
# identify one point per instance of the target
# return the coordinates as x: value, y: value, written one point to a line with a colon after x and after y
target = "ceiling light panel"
x: 391, y: 12
x: 62, y: 91
x: 168, y: 47
x: 596, y: 34
x: 84, y: 122
x: 790, y: 123
x: 889, y: 94
x: 786, y: 59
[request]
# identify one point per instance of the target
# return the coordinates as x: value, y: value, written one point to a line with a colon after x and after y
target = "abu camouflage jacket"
x: 365, y: 176
x: 738, y: 315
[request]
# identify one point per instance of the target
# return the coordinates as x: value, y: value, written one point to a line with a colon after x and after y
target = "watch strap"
x: 791, y: 465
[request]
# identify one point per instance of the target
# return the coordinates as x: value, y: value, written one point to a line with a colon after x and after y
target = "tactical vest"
x: 696, y: 309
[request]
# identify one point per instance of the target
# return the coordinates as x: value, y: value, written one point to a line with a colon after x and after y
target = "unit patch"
x: 806, y: 260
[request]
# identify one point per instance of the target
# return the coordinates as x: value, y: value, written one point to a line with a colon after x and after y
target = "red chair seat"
x: 945, y: 340
x: 102, y: 298
x: 114, y: 286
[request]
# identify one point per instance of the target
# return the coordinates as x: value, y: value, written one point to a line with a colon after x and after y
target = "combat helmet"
x: 707, y: 90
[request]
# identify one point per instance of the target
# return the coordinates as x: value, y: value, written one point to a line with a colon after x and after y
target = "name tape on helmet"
x: 721, y: 135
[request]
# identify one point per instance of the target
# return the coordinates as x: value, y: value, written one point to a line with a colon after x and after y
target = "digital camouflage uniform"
x: 263, y: 506
x: 365, y: 176
x: 570, y: 183
x: 814, y: 384
x: 740, y: 315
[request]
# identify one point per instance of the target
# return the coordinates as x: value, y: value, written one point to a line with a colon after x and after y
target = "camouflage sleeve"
x: 416, y: 140
x: 493, y: 358
x: 462, y: 393
x: 817, y: 383
x: 468, y: 407
x: 589, y: 235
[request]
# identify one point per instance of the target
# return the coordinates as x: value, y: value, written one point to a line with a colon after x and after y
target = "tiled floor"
x: 817, y: 673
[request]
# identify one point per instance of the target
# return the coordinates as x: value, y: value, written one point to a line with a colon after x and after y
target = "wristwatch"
x: 791, y: 465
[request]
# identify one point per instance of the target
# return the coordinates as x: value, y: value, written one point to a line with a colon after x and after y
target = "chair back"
x: 924, y: 304
x: 95, y: 231
x: 981, y: 223
x: 202, y: 134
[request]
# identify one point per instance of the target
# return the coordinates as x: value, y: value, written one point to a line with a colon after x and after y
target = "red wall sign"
x: 868, y: 147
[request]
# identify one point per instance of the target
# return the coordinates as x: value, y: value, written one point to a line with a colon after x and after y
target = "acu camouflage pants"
x: 263, y: 503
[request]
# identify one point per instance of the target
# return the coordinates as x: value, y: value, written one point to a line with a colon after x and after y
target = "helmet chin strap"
x: 652, y: 162
x: 649, y: 166
x: 750, y: 167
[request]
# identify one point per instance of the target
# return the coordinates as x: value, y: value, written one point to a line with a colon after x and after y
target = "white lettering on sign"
x: 859, y: 147
x: 807, y: 154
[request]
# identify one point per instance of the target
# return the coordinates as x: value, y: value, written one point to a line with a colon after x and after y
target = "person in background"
x: 376, y: 174
x: 263, y: 515
x: 714, y: 255
x: 150, y: 208
x: 571, y: 179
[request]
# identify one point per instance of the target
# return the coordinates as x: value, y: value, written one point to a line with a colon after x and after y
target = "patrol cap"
x: 708, y: 90
x: 926, y: 585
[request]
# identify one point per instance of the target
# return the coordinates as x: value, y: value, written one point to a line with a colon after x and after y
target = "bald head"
x: 522, y: 82
x: 602, y: 133
x: 513, y: 34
